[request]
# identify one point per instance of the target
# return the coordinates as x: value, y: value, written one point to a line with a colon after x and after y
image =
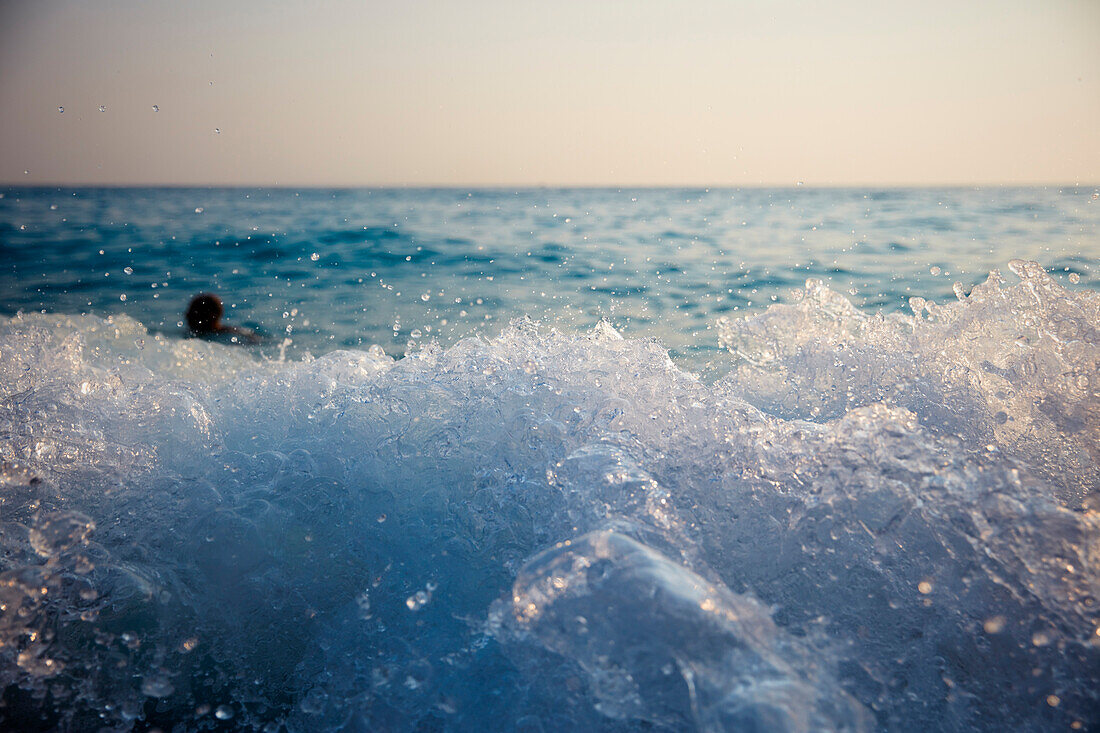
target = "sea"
x: 542, y: 459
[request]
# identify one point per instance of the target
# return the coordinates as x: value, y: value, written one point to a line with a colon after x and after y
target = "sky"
x: 516, y: 93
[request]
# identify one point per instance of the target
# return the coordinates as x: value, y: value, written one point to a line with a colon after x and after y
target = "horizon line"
x: 557, y: 186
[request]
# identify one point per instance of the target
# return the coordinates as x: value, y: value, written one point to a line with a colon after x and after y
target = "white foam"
x: 893, y: 519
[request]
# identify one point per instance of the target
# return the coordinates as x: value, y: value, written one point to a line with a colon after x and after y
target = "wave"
x: 869, y: 522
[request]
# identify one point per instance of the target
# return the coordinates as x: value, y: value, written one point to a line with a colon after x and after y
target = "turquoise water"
x: 349, y: 268
x: 551, y: 460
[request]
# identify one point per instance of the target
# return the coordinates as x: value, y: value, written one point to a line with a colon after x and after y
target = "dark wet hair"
x: 204, y: 315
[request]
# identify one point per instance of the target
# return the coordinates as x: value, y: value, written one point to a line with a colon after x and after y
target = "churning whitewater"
x: 869, y: 522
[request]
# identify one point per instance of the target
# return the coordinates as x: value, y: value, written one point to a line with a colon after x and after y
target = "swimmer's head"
x: 204, y: 315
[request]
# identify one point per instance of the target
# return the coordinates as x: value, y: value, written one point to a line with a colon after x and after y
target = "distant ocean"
x: 551, y: 459
x: 331, y: 269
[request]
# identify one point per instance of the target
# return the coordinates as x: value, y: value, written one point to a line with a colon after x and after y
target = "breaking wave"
x: 869, y: 523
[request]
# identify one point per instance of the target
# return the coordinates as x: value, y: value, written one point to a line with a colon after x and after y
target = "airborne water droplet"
x: 418, y: 600
x: 61, y: 110
x: 102, y: 108
x: 315, y: 256
x: 1074, y: 278
x: 156, y: 108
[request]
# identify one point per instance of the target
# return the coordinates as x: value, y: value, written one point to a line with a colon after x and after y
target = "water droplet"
x: 1040, y: 638
x: 1053, y: 700
x: 102, y: 108
x: 426, y: 297
x: 61, y: 110
x: 935, y: 270
x: 198, y: 209
x: 315, y: 256
x: 994, y: 624
x: 122, y: 297
x: 416, y: 333
x: 128, y: 270
x: 418, y: 600
x: 925, y: 587
x: 1074, y: 278
x: 224, y: 712
x: 156, y: 108
x: 157, y: 686
x: 217, y: 131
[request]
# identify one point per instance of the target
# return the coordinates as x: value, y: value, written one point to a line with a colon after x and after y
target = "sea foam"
x: 868, y: 522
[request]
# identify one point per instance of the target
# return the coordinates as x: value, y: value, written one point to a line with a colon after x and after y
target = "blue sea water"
x: 551, y: 459
x: 349, y: 268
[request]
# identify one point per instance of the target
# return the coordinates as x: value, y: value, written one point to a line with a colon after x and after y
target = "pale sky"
x: 514, y: 93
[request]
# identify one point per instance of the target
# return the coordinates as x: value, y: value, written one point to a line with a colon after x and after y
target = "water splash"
x: 870, y: 522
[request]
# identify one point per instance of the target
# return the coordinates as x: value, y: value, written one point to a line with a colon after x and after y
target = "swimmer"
x: 204, y: 320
